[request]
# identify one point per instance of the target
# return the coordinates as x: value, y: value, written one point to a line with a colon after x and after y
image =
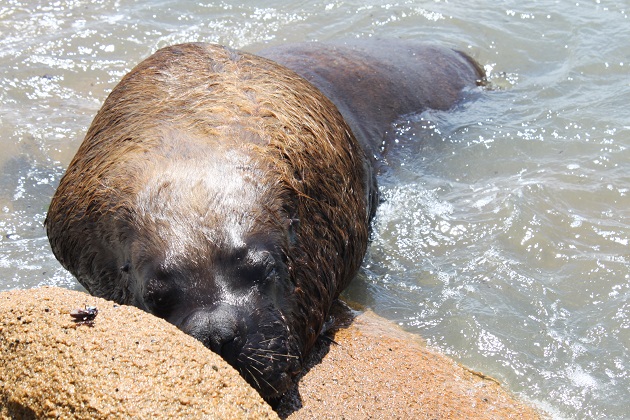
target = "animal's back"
x: 374, y: 83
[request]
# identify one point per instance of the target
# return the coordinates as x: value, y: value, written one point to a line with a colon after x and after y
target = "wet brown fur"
x: 201, y: 146
x: 303, y: 150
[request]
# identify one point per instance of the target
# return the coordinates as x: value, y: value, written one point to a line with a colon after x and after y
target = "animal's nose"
x: 217, y: 328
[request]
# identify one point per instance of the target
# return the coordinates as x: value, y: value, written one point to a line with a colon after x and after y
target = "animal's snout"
x: 217, y: 328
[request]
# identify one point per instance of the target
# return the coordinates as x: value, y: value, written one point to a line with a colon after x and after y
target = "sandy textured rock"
x: 129, y: 364
x: 378, y: 371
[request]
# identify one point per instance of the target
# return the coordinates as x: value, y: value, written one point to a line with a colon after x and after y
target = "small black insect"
x: 84, y: 316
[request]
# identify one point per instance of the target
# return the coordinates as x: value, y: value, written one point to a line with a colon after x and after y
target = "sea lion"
x: 232, y: 194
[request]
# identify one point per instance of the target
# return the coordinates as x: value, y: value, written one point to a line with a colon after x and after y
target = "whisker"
x: 275, y: 353
x: 253, y: 377
x: 270, y: 339
x: 257, y: 370
x: 271, y: 386
x: 255, y: 360
x: 256, y: 350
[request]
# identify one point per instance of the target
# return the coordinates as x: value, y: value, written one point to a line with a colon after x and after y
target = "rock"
x: 130, y: 364
x: 374, y: 370
x: 127, y: 364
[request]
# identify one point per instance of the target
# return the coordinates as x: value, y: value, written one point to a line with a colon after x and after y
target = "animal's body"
x: 232, y: 194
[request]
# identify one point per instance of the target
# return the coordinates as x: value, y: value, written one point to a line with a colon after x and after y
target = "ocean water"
x: 503, y: 235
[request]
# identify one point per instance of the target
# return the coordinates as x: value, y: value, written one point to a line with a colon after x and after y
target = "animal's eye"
x: 160, y: 295
x: 260, y: 266
x: 269, y: 268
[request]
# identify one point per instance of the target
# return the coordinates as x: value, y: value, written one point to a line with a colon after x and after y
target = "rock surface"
x: 130, y: 364
x: 374, y: 370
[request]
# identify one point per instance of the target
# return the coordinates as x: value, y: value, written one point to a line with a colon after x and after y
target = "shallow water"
x: 503, y: 237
